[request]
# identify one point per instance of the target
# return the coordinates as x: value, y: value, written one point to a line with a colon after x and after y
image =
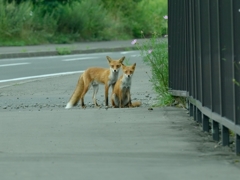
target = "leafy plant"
x: 13, y: 18
x: 21, y: 24
x: 26, y: 22
x: 155, y: 54
x: 63, y: 51
x: 139, y: 15
x: 147, y: 18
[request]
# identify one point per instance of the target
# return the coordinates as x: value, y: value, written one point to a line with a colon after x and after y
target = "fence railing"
x: 204, y: 63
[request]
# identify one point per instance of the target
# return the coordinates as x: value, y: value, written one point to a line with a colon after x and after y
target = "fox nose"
x: 114, y: 70
x: 128, y: 75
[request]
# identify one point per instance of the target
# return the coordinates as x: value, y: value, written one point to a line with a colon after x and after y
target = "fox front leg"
x: 113, y: 99
x: 129, y: 104
x: 120, y: 98
x: 106, y: 94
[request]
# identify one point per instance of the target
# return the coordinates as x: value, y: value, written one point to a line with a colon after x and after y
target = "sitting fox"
x: 121, y: 95
x: 93, y: 77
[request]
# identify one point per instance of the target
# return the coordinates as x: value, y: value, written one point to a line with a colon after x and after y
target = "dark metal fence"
x: 204, y: 63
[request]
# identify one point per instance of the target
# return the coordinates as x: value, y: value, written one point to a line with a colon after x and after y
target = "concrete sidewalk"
x: 75, y: 48
x: 109, y: 144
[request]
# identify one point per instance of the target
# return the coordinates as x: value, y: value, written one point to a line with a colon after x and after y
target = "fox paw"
x: 97, y: 105
x: 68, y: 106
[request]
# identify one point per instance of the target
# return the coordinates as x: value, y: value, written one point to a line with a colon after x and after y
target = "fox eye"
x: 118, y: 66
x: 112, y: 66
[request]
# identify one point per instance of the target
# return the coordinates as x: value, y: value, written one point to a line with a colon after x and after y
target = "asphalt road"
x: 35, y: 67
x: 38, y: 94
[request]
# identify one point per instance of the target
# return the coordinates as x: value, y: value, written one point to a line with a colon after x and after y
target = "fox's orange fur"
x: 95, y: 76
x: 121, y: 95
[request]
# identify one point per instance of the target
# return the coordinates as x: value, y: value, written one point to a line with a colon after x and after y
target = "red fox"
x: 95, y: 76
x: 121, y: 96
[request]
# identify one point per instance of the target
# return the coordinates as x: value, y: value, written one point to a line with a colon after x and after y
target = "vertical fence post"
x: 215, y: 129
x: 236, y: 37
x: 195, y: 113
x: 237, y: 144
x: 191, y: 109
x: 225, y: 136
x: 199, y: 116
x: 205, y: 123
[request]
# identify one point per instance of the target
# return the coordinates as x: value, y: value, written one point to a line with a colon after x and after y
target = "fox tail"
x: 77, y: 94
x: 136, y: 104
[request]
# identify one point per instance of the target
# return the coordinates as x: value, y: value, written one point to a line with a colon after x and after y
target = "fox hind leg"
x: 114, y: 101
x: 95, y: 90
x: 85, y: 90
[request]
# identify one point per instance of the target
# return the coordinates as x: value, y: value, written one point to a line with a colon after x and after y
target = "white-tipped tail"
x: 68, y: 106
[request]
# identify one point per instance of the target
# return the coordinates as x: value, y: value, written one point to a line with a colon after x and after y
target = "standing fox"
x: 121, y: 96
x: 94, y: 76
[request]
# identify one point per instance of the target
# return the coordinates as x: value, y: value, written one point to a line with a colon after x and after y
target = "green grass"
x: 21, y: 24
x: 24, y: 50
x: 127, y: 62
x: 155, y: 55
x: 63, y: 51
x: 79, y: 20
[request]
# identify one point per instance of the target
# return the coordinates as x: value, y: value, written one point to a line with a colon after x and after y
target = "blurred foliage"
x: 65, y: 21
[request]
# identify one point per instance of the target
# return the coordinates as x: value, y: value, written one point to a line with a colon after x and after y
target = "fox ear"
x: 122, y: 59
x: 109, y: 59
x: 123, y: 65
x: 134, y: 65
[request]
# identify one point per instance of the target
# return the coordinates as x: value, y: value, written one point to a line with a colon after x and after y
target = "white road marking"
x: 136, y: 55
x: 53, y: 57
x: 41, y: 57
x: 14, y: 64
x: 40, y: 76
x: 79, y: 59
x: 128, y: 52
x: 64, y: 56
